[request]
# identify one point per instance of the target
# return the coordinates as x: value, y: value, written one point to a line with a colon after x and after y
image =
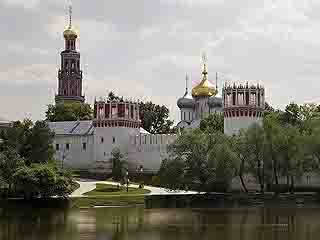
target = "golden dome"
x: 204, y: 88
x: 70, y: 33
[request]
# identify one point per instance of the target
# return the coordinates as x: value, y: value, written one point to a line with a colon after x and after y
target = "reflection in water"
x: 152, y: 224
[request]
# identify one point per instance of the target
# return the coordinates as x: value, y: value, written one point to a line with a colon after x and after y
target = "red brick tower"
x: 70, y: 74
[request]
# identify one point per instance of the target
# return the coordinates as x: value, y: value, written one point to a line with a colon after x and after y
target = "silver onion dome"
x: 215, y: 102
x: 186, y: 101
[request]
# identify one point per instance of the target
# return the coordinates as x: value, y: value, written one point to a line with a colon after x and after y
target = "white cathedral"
x: 87, y: 145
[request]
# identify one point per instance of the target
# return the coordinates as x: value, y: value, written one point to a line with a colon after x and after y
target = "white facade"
x: 87, y: 145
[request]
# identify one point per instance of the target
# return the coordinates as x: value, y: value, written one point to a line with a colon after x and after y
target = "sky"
x: 143, y: 49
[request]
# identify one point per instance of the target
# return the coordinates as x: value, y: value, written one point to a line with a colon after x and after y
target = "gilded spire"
x: 70, y: 32
x: 204, y: 62
x: 187, y: 79
x: 70, y: 16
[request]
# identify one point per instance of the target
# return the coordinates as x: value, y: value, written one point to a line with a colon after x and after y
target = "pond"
x: 155, y: 224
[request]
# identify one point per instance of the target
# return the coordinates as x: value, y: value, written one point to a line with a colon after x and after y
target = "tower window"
x: 57, y: 147
x: 101, y: 139
x: 113, y: 140
x: 68, y: 146
x: 84, y: 146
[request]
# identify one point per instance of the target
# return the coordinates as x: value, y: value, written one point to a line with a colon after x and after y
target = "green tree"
x: 257, y: 164
x: 40, y: 141
x: 31, y: 142
x: 10, y: 161
x: 213, y: 123
x: 155, y: 118
x: 69, y: 112
x: 119, y: 165
x: 291, y: 115
x: 171, y: 173
x: 208, y: 160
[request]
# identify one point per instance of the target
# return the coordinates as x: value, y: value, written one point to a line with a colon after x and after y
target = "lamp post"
x: 127, y: 174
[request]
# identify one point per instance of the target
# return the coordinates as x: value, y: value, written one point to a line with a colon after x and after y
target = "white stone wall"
x: 76, y: 157
x: 233, y: 125
x: 149, y: 150
x: 104, y: 137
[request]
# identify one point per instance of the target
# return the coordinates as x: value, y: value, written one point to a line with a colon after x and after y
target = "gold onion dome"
x: 70, y: 33
x: 204, y: 88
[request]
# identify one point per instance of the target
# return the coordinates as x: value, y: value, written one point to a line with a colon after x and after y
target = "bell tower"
x: 70, y: 74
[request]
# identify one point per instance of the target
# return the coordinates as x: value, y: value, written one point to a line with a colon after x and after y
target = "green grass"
x: 128, y: 200
x: 110, y: 195
x: 112, y: 190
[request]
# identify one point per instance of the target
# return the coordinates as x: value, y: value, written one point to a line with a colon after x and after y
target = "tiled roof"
x: 72, y: 128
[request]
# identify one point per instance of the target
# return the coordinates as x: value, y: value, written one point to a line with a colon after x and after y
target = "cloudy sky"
x: 143, y: 48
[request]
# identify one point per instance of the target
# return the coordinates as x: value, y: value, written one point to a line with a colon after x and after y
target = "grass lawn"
x: 110, y: 195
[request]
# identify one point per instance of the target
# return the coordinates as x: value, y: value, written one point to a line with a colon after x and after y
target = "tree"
x: 213, y: 123
x: 69, y: 112
x: 241, y: 149
x: 154, y: 118
x: 32, y: 142
x: 199, y: 160
x: 40, y: 141
x: 113, y: 97
x: 118, y: 165
x: 10, y: 161
x: 291, y: 115
x: 255, y: 141
x: 171, y: 173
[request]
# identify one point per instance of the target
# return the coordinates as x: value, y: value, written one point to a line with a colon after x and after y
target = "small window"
x: 101, y: 139
x: 68, y: 146
x: 57, y: 147
x: 104, y: 153
x: 84, y: 146
x: 113, y: 140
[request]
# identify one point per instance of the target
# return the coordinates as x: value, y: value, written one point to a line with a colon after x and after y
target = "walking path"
x: 89, y: 185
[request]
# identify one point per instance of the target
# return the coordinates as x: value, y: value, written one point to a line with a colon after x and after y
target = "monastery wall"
x: 148, y: 150
x: 76, y: 150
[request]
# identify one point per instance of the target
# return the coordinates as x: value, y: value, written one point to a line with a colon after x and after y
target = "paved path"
x: 89, y: 185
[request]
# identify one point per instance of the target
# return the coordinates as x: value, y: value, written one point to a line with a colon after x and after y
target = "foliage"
x: 10, y: 161
x: 42, y: 180
x: 281, y: 149
x: 33, y: 142
x: 154, y: 118
x: 213, y: 123
x: 199, y: 160
x: 27, y: 165
x: 69, y: 112
x: 119, y: 165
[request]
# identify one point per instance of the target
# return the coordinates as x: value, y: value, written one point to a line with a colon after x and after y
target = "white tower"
x: 243, y: 106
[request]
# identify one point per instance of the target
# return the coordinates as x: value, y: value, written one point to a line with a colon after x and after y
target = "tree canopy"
x: 27, y: 164
x: 277, y: 153
x: 69, y: 112
x: 213, y: 123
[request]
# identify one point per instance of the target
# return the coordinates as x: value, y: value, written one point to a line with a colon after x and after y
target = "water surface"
x: 156, y: 224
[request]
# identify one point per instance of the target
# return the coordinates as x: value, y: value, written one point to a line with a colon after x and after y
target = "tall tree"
x: 213, y: 123
x: 119, y: 165
x: 155, y: 118
x: 255, y: 141
x: 31, y: 142
x: 69, y: 112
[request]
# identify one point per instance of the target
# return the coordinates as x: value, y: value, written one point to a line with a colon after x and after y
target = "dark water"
x: 156, y: 224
